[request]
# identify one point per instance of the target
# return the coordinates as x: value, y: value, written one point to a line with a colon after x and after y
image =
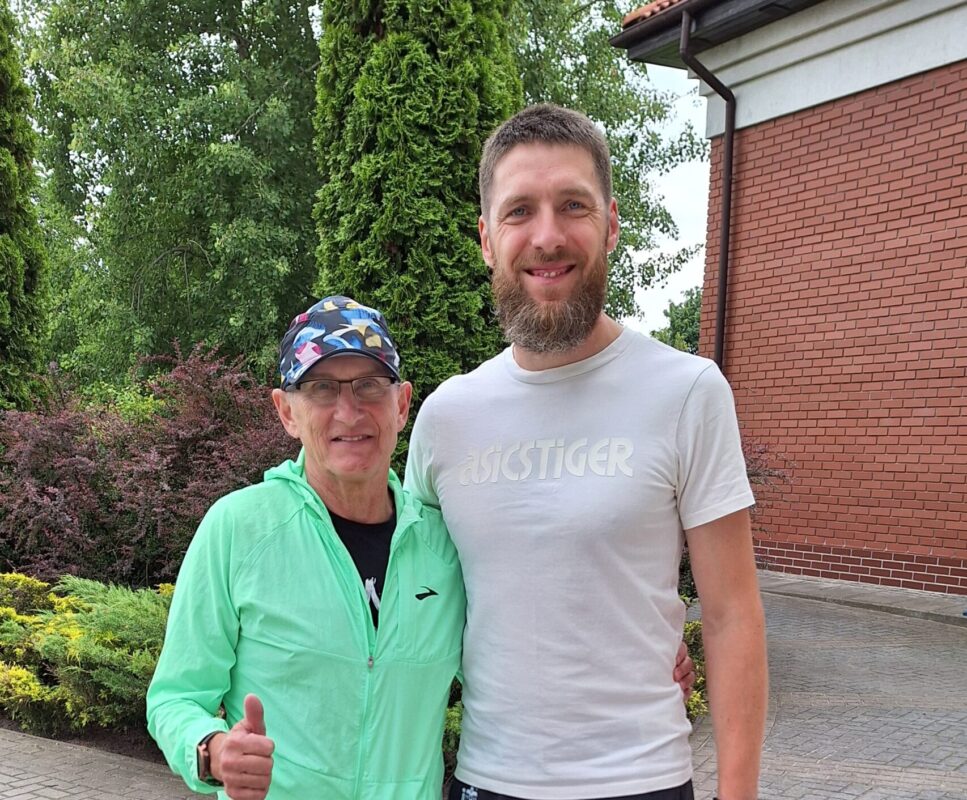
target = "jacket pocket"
x: 428, y: 608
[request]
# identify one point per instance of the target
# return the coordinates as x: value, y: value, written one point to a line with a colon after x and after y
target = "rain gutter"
x: 725, y: 215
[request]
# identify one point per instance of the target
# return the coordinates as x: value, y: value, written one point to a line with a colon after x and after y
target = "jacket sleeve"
x: 194, y: 668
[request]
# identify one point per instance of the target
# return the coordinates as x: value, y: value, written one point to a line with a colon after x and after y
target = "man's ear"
x: 404, y: 398
x: 488, y: 253
x: 614, y: 227
x: 283, y: 407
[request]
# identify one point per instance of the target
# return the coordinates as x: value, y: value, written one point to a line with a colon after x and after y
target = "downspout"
x: 726, y: 214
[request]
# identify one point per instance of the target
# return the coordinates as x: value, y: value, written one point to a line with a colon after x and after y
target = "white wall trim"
x: 832, y: 50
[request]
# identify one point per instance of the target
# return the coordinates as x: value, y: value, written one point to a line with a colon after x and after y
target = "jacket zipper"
x: 373, y: 640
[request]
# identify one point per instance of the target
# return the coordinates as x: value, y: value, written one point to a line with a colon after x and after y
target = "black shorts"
x: 461, y: 791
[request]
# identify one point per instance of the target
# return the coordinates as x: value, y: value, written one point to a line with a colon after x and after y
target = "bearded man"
x: 570, y: 471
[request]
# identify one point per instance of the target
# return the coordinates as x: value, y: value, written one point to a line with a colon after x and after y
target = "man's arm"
x: 418, y: 479
x: 733, y: 631
x: 193, y: 671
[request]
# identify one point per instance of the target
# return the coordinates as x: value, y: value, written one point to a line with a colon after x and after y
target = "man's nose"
x: 547, y: 232
x: 347, y: 407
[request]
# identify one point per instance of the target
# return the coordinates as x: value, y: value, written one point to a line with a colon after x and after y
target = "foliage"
x: 686, y: 583
x: 683, y: 326
x: 23, y: 281
x: 133, y: 402
x: 696, y: 705
x: 178, y: 137
x: 407, y: 93
x: 768, y: 472
x: 178, y: 146
x: 86, y: 663
x: 564, y: 57
x: 24, y: 698
x: 451, y: 738
x: 23, y: 594
x: 91, y: 490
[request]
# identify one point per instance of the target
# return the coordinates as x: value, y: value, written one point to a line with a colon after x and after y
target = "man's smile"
x: 549, y: 273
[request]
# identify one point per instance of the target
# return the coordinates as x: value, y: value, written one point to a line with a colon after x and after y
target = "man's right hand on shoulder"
x: 242, y: 758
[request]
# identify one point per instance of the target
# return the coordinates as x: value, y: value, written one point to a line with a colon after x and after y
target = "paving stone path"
x: 864, y: 705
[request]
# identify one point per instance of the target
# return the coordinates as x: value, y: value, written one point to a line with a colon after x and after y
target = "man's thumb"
x: 254, y: 715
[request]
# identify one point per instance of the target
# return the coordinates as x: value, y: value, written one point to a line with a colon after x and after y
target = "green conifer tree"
x: 22, y: 261
x: 408, y: 90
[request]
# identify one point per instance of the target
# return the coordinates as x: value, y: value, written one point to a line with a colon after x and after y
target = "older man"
x: 570, y: 469
x: 326, y: 594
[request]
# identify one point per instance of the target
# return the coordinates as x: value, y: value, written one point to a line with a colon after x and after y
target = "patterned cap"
x: 332, y: 326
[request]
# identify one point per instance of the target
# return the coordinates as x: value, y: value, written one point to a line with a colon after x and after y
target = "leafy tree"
x: 564, y: 57
x: 408, y: 91
x: 683, y: 322
x: 179, y: 148
x: 179, y: 138
x: 22, y: 262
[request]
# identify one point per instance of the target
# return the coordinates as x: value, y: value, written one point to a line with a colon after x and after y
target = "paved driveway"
x: 863, y: 705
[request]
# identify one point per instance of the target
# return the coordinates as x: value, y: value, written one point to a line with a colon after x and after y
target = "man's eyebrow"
x: 579, y: 192
x: 513, y: 200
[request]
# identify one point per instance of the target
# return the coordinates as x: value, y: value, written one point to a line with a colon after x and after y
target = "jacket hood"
x: 293, y: 473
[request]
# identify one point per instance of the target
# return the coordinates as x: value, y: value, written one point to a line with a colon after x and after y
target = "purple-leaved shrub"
x: 104, y: 492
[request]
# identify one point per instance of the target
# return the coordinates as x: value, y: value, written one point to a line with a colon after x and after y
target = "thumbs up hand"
x: 254, y: 719
x: 242, y: 758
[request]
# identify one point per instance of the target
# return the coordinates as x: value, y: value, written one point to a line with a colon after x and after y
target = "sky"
x: 685, y: 193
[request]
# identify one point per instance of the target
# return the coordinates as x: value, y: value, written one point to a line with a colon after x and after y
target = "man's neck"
x: 364, y: 502
x: 603, y: 333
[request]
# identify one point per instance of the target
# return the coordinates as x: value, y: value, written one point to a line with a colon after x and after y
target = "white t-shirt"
x: 566, y: 492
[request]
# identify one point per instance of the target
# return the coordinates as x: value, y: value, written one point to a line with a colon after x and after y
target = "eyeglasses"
x: 325, y: 391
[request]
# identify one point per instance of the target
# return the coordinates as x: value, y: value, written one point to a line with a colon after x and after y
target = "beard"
x: 549, y: 326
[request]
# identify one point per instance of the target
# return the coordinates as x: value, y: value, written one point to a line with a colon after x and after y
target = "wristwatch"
x: 204, y: 760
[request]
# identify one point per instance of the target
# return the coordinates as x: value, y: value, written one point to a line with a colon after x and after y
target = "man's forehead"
x: 561, y: 167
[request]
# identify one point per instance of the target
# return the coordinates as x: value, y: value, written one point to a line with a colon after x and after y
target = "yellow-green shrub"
x: 26, y: 699
x: 86, y: 660
x: 23, y: 593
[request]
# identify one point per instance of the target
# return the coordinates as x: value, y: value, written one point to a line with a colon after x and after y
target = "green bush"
x: 697, y: 705
x: 27, y: 700
x: 23, y: 262
x: 86, y: 660
x: 406, y: 95
x: 24, y: 594
x: 451, y: 738
x: 15, y: 638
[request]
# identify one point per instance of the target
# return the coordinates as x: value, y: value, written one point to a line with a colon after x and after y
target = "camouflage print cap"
x: 335, y: 325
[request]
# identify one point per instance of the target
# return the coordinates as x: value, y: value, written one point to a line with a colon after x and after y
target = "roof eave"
x: 655, y: 40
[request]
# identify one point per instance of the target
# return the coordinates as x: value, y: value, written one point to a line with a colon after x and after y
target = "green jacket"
x: 269, y: 601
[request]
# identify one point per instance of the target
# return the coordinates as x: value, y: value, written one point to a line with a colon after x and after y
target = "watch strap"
x: 204, y: 761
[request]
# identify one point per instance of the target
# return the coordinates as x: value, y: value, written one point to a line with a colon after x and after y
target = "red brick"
x: 846, y: 330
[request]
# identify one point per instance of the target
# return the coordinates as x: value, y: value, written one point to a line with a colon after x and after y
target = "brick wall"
x: 846, y: 336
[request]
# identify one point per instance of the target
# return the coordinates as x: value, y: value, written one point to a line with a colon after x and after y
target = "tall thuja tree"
x: 564, y: 57
x: 22, y: 261
x: 408, y: 91
x: 179, y: 141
